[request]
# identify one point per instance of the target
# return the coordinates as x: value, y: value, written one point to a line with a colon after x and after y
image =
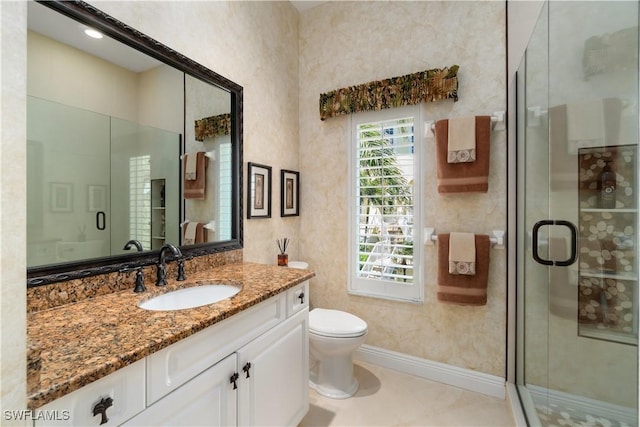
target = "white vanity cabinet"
x: 121, y: 393
x: 251, y: 369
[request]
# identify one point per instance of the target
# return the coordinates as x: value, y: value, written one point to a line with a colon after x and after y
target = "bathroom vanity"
x: 241, y: 361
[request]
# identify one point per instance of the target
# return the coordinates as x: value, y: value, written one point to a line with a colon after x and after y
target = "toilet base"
x: 328, y: 387
x: 334, y: 393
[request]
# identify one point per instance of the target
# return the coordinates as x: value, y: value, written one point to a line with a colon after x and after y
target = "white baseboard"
x: 467, y: 379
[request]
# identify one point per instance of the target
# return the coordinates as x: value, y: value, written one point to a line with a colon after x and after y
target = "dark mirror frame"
x: 87, y: 14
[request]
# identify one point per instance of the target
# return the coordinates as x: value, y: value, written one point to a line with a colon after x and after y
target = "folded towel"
x: 190, y: 167
x: 564, y: 151
x: 462, y: 253
x: 195, y: 189
x: 462, y: 140
x: 590, y: 123
x: 585, y: 121
x: 462, y: 289
x: 193, y: 233
x: 464, y: 177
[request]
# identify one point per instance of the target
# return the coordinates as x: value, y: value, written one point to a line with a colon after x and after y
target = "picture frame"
x: 96, y: 198
x: 289, y: 193
x: 60, y: 197
x: 259, y: 191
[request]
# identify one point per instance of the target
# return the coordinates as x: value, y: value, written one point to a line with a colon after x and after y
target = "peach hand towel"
x: 462, y: 253
x: 195, y: 189
x: 193, y: 233
x: 190, y: 168
x: 462, y: 289
x: 464, y: 177
x: 461, y: 147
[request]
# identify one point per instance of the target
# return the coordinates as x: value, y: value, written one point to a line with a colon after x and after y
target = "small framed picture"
x: 289, y: 193
x: 259, y: 194
x: 61, y: 197
x: 96, y: 198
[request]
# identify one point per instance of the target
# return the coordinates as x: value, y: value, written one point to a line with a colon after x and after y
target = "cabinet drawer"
x: 125, y: 387
x: 297, y: 298
x: 173, y: 366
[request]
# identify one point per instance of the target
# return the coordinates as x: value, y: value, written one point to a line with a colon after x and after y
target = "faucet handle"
x: 139, y: 281
x: 181, y: 275
x: 139, y: 278
x: 161, y: 275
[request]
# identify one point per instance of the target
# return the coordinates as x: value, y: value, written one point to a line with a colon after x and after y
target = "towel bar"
x: 209, y: 154
x: 211, y: 225
x: 497, y: 241
x: 497, y: 122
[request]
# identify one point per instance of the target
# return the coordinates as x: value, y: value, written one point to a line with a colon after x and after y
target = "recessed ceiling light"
x: 93, y: 33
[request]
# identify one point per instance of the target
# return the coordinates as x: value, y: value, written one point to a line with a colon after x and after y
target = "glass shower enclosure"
x: 577, y: 353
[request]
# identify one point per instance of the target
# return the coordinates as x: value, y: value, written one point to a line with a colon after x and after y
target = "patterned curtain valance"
x: 213, y: 126
x: 425, y: 86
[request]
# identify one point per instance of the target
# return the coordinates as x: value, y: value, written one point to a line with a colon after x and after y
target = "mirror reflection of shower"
x: 90, y: 180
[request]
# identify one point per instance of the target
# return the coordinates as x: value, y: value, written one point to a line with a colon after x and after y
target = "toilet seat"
x: 335, y: 323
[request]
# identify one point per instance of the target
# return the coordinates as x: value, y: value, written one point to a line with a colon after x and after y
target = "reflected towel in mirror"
x: 194, y: 233
x: 195, y: 189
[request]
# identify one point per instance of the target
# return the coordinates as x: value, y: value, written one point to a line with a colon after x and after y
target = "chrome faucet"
x: 162, y: 267
x: 133, y: 242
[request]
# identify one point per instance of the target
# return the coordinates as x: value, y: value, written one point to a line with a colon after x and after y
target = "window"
x: 140, y: 199
x: 385, y: 180
x: 225, y: 183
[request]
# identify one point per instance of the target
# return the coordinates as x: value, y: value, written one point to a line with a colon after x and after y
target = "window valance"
x: 213, y: 126
x: 425, y: 86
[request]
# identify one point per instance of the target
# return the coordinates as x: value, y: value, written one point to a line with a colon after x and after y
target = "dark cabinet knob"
x: 246, y: 369
x: 234, y: 380
x: 101, y: 408
x: 301, y: 296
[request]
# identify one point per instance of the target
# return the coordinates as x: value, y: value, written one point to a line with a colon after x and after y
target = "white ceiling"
x: 52, y: 24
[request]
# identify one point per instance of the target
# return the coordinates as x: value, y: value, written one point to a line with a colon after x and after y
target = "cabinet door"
x: 207, y: 400
x: 273, y: 389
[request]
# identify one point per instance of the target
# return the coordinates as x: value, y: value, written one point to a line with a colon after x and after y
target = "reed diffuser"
x: 283, y: 258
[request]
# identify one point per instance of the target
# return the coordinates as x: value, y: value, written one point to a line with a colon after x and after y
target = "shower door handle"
x: 574, y: 242
x: 101, y: 220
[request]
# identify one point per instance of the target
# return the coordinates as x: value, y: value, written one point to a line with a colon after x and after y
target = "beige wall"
x: 252, y: 43
x: 347, y: 43
x: 13, y: 136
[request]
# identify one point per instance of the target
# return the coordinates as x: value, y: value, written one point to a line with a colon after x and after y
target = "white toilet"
x: 333, y: 337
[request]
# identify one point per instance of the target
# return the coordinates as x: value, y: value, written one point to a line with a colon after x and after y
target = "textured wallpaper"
x: 348, y: 43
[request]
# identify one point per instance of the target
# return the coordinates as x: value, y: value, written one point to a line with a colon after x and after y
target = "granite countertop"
x: 81, y: 342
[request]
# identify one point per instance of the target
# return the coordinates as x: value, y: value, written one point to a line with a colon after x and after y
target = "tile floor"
x: 390, y: 398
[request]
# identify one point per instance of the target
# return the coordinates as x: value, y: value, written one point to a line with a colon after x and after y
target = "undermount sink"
x: 195, y: 296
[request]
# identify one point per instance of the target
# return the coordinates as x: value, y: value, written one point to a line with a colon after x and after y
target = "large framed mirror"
x: 127, y: 140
